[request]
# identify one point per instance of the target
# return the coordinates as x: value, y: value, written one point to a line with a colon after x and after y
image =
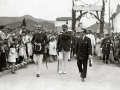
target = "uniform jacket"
x: 64, y: 42
x: 84, y: 48
x: 105, y: 45
x: 39, y: 38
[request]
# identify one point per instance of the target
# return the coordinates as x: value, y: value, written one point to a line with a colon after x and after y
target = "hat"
x: 83, y: 30
x: 2, y: 26
x: 70, y: 30
x: 64, y: 26
x: 90, y: 30
x: 39, y: 26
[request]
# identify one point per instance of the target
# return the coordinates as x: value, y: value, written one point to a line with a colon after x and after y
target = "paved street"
x: 99, y: 77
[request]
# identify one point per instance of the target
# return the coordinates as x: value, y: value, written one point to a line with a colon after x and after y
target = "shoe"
x: 83, y: 80
x: 38, y: 75
x: 64, y: 72
x: 69, y: 59
x: 13, y: 72
x: 60, y: 71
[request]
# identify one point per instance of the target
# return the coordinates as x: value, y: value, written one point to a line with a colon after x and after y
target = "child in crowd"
x: 52, y: 49
x: 12, y: 57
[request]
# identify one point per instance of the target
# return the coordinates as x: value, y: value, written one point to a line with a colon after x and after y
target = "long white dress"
x: 29, y: 46
x: 12, y: 55
x: 52, y: 48
x: 97, y: 48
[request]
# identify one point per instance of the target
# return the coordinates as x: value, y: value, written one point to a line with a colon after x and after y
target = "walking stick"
x: 46, y: 60
x: 58, y: 63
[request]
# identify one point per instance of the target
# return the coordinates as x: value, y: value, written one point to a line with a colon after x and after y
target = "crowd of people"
x: 18, y: 47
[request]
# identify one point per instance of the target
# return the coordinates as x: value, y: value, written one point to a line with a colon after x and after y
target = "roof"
x: 114, y: 15
x: 63, y: 18
x: 117, y: 11
x: 95, y: 27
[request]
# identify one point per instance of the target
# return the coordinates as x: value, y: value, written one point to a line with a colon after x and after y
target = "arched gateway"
x: 84, y: 9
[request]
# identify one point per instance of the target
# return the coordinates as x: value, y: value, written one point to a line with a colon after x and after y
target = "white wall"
x: 59, y: 23
x: 116, y: 23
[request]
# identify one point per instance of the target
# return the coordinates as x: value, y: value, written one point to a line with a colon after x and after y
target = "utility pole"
x: 109, y: 26
x: 73, y: 17
x: 102, y: 17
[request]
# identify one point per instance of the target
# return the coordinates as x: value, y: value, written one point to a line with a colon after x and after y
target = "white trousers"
x: 38, y: 60
x: 63, y: 59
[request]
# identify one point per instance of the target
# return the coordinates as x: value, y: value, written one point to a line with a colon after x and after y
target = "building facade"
x: 64, y: 20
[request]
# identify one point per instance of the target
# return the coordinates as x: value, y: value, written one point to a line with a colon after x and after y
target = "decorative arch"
x: 91, y: 8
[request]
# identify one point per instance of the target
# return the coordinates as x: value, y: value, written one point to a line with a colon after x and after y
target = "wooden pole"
x: 102, y: 18
x: 109, y: 26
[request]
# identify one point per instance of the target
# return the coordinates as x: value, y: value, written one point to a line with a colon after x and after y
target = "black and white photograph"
x: 59, y: 44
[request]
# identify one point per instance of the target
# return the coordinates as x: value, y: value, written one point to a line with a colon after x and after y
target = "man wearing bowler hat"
x: 39, y: 41
x: 84, y: 52
x: 63, y: 48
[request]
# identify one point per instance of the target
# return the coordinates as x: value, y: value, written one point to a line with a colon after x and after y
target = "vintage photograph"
x: 59, y: 45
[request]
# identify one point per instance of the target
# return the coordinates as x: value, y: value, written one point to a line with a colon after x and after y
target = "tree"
x: 24, y: 23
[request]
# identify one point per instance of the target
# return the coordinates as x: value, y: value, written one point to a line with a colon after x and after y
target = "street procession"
x: 78, y: 50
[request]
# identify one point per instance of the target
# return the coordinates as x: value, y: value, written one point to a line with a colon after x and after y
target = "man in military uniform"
x: 39, y: 41
x: 105, y: 46
x: 63, y: 48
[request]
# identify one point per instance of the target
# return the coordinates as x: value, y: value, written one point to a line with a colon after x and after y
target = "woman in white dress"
x: 29, y: 47
x: 97, y: 48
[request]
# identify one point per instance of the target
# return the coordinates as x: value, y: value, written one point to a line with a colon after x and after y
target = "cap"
x: 64, y: 26
x: 70, y: 30
x: 39, y: 26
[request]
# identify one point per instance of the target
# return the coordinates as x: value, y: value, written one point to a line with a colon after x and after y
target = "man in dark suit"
x: 63, y: 47
x: 84, y: 52
x: 39, y: 41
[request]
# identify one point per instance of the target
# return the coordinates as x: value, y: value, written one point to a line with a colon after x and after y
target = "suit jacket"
x: 84, y: 48
x: 64, y: 42
x: 106, y: 46
x: 39, y: 38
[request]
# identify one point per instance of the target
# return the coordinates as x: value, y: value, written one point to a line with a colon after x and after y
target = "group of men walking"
x: 83, y: 50
x: 82, y: 46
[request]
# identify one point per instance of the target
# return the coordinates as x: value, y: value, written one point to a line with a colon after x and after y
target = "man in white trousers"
x: 39, y: 41
x: 63, y: 48
x: 92, y: 38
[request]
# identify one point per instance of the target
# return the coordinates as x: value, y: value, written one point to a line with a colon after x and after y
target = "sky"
x: 49, y: 9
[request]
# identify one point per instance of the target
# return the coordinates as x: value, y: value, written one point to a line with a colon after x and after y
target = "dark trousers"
x: 82, y: 67
x: 20, y: 59
x: 105, y: 58
x: 3, y: 63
